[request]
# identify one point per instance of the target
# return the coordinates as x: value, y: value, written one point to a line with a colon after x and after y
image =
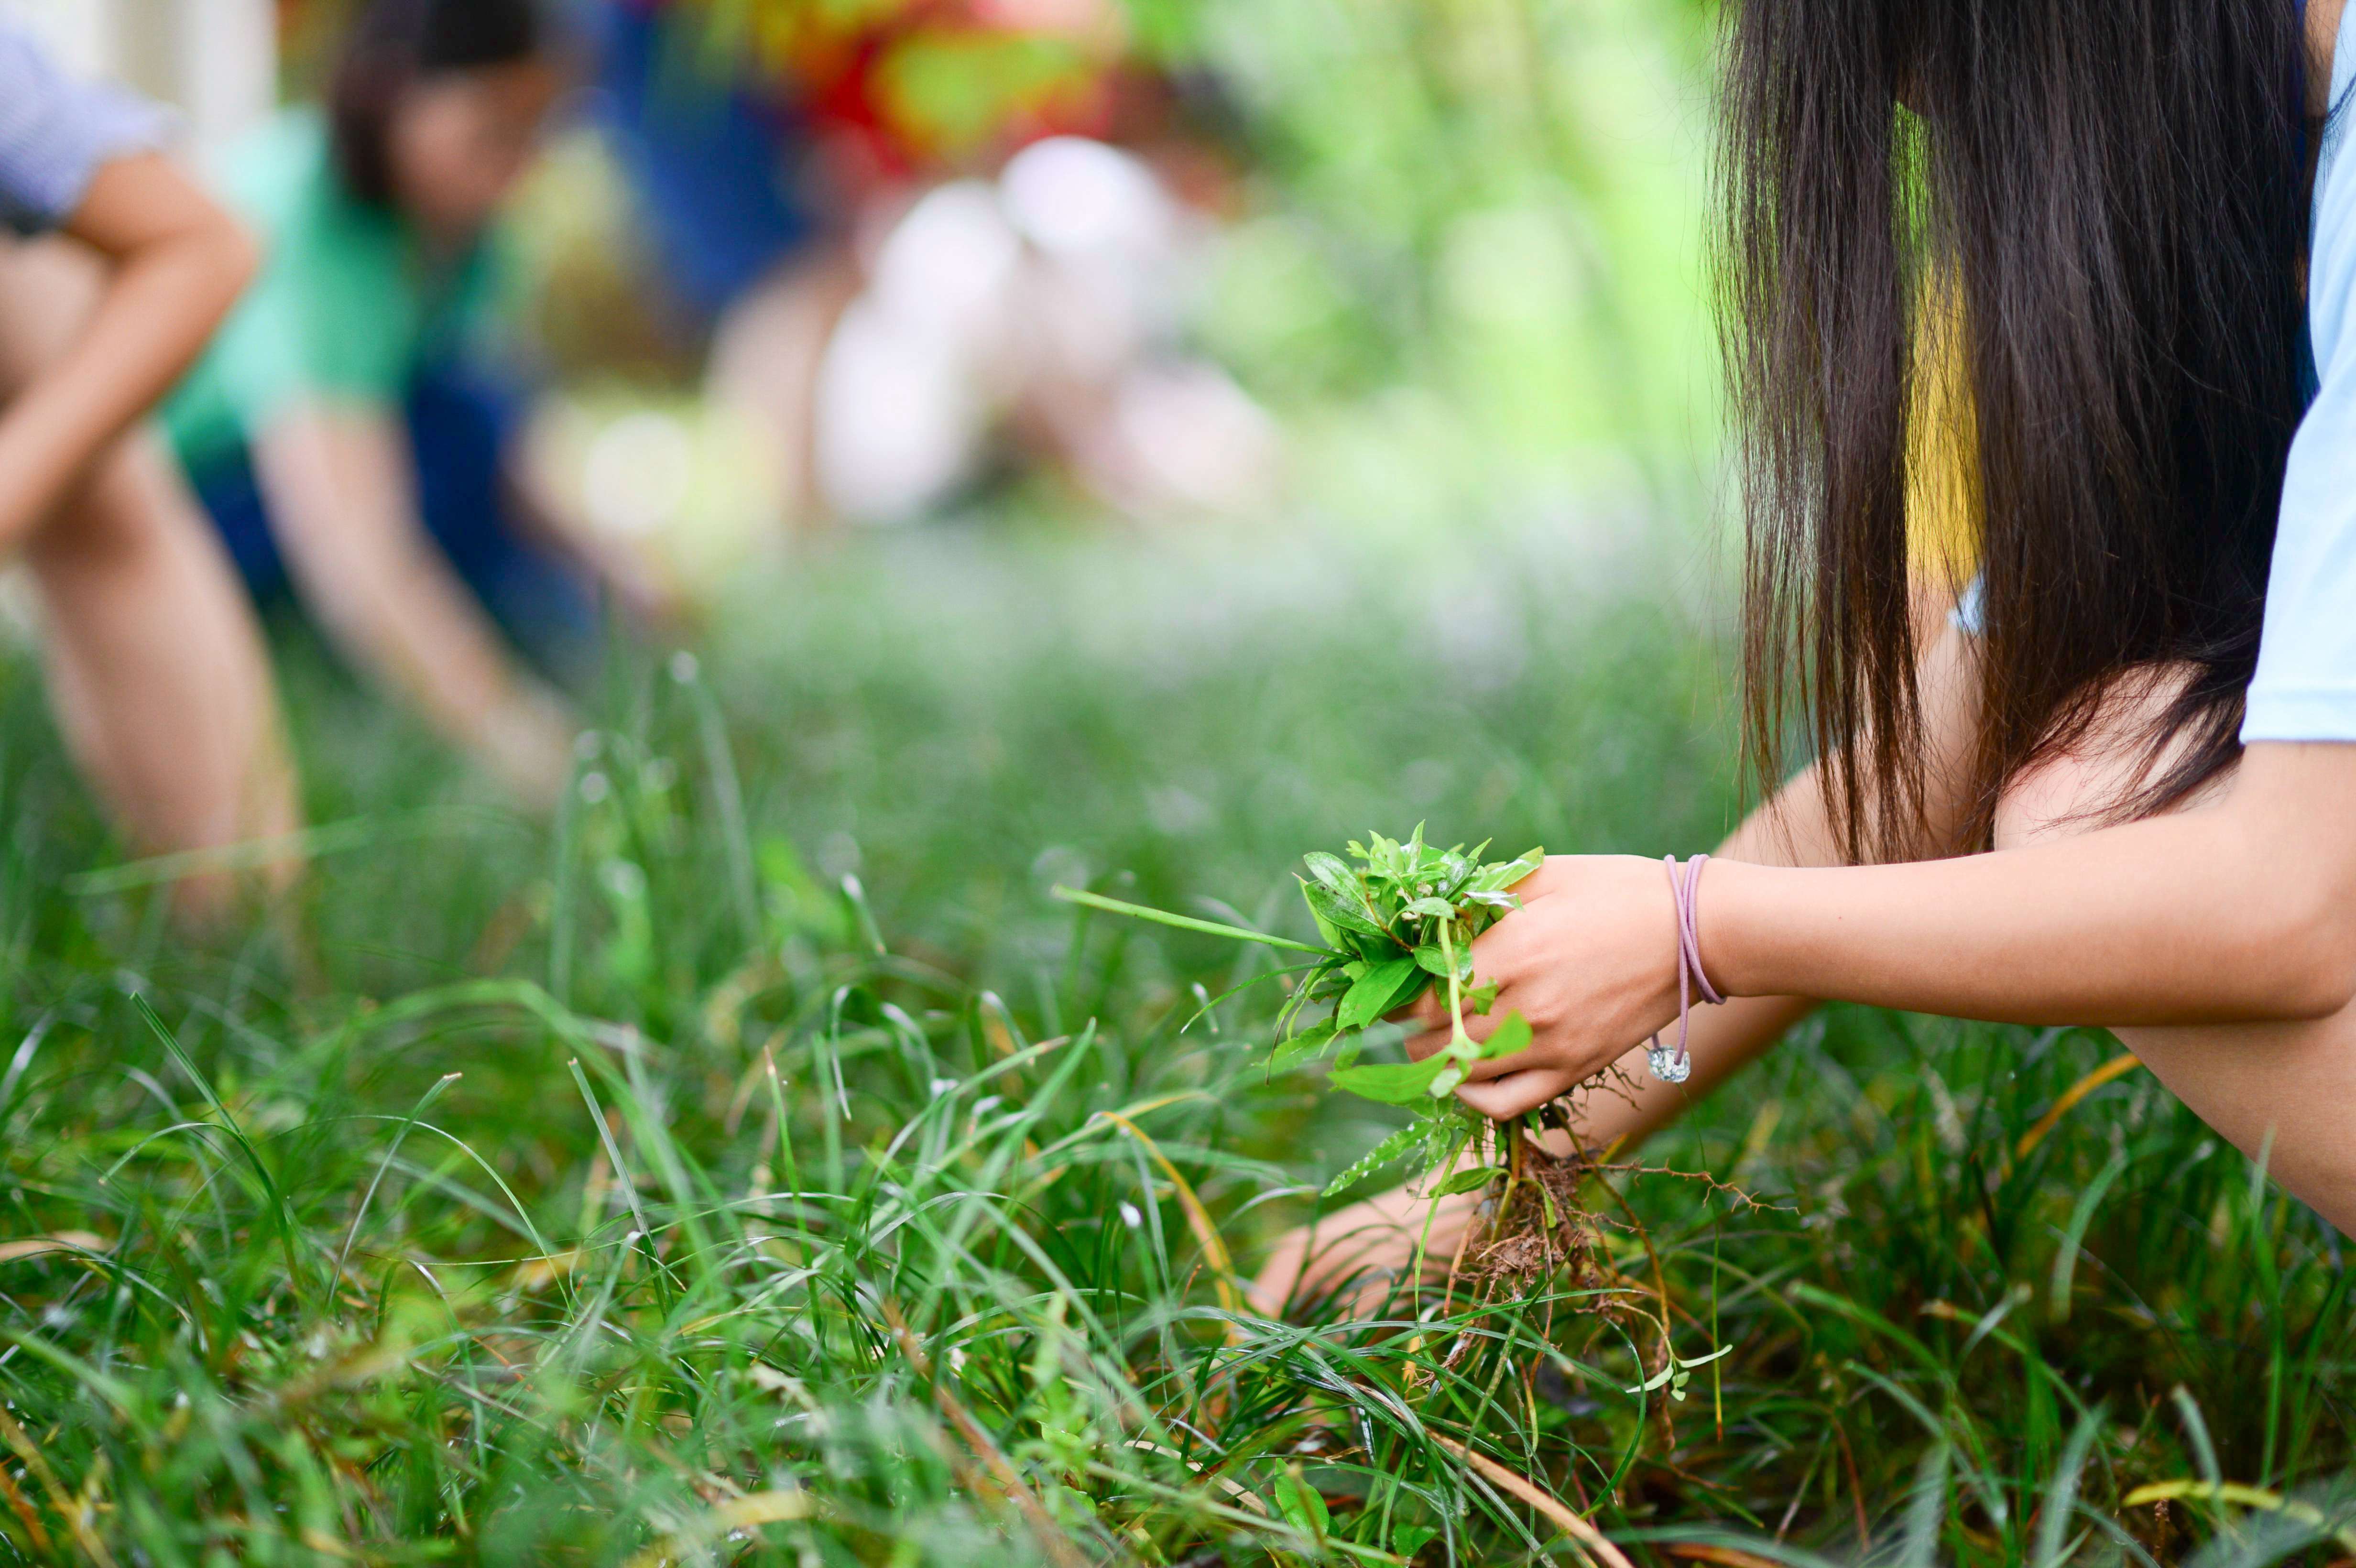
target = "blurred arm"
x: 342, y: 504
x: 181, y: 263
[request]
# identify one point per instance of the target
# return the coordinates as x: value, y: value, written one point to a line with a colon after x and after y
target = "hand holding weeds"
x: 1589, y: 963
x: 1440, y: 937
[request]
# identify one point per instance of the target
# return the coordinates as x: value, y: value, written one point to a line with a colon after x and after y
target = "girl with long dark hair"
x: 2118, y: 786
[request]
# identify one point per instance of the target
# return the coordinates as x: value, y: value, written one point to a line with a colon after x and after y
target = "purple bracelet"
x: 1676, y: 1066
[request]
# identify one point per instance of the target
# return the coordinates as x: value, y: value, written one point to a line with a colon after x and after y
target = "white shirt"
x: 56, y: 134
x: 2306, y: 685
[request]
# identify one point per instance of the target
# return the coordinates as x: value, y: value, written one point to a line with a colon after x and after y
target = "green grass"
x: 622, y: 1191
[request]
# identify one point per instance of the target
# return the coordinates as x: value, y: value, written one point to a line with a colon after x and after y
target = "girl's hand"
x: 1590, y: 960
x: 527, y: 742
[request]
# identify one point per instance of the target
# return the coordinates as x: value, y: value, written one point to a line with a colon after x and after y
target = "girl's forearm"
x: 173, y: 283
x: 1792, y: 829
x: 2241, y: 912
x: 414, y: 628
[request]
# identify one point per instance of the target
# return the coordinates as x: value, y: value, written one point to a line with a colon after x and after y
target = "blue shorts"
x: 712, y: 161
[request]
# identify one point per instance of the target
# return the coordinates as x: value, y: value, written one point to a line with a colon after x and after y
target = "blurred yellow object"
x: 1942, y: 509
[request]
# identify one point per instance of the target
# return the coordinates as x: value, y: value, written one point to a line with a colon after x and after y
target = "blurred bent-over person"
x: 339, y: 431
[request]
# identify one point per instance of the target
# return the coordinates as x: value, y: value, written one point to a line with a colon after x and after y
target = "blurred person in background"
x: 748, y: 227
x: 1025, y: 305
x: 1037, y: 318
x: 340, y: 431
x: 157, y: 669
x: 922, y: 256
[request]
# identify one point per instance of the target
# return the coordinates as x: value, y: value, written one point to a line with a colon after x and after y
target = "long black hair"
x: 2113, y: 199
x: 396, y: 44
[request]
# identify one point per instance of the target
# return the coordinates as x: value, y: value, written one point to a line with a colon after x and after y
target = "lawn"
x: 755, y: 1165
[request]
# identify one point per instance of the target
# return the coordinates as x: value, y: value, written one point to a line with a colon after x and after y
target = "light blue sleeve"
x: 56, y: 134
x: 2306, y: 685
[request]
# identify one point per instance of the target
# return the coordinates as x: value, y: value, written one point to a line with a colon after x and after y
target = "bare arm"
x: 2241, y: 912
x: 181, y: 263
x: 1794, y: 831
x: 342, y: 504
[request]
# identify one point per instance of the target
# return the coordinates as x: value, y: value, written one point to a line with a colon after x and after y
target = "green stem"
x: 1459, y: 1042
x: 1187, y: 922
x: 1431, y: 1214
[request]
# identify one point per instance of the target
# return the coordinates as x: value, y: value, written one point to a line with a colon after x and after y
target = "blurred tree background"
x: 1479, y: 225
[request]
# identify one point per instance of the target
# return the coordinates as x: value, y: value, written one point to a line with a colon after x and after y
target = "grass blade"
x: 1187, y: 922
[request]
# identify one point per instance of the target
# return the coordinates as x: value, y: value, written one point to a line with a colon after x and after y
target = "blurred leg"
x: 157, y: 669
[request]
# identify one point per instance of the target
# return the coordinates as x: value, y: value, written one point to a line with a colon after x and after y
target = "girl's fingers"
x: 1437, y: 1031
x: 1430, y: 1010
x: 1420, y: 1046
x: 1516, y: 1095
x: 1488, y: 1070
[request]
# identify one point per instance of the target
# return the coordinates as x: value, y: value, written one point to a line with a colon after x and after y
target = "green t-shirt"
x: 347, y: 306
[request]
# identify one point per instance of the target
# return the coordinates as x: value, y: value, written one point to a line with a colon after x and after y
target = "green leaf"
x: 1370, y: 997
x: 1344, y: 914
x: 1506, y: 874
x: 1303, y: 1047
x: 1181, y: 922
x: 1443, y: 1085
x: 1303, y: 1509
x: 1392, y: 1083
x: 1395, y: 1146
x: 1407, y: 1539
x: 1479, y: 1000
x: 1511, y: 1038
x: 1469, y: 1180
x: 1433, y: 961
x: 1332, y: 872
x: 1431, y: 909
x: 1413, y: 983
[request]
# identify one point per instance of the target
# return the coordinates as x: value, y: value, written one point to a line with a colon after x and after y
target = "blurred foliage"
x: 1497, y: 199
x: 335, y: 1257
x: 1462, y: 240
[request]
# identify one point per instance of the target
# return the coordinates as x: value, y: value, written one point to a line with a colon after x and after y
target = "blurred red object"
x: 915, y: 88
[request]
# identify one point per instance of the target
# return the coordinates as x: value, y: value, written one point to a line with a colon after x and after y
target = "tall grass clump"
x: 753, y: 1164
